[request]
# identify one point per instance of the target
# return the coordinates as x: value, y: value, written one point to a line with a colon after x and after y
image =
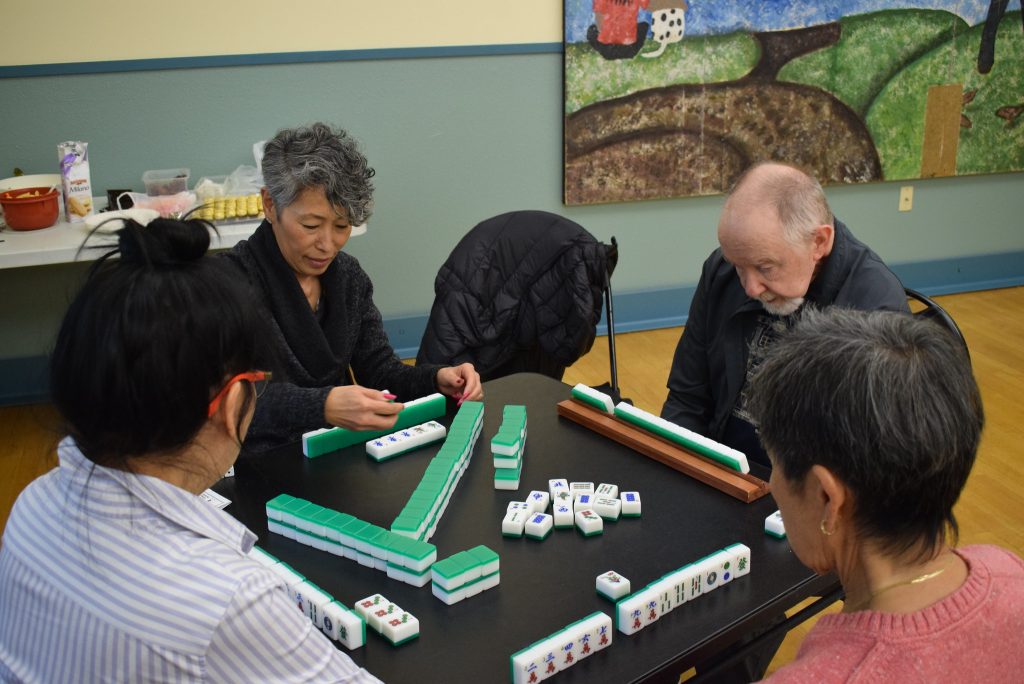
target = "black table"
x: 544, y: 585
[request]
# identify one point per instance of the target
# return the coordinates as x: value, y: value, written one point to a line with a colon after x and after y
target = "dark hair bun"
x: 149, y: 339
x: 163, y: 242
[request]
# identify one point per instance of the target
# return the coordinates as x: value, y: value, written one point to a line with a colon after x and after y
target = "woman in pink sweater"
x: 872, y: 422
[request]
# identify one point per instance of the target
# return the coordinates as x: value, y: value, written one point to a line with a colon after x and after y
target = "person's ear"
x: 832, y: 494
x: 821, y: 241
x: 269, y: 209
x: 229, y: 414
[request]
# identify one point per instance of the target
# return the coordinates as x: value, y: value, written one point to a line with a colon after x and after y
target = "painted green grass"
x: 590, y: 78
x: 882, y: 68
x: 896, y: 118
x: 871, y: 50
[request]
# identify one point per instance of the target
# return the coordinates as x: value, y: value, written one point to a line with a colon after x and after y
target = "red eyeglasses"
x: 259, y: 380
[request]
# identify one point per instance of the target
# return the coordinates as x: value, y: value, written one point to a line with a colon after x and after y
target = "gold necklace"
x: 917, y: 580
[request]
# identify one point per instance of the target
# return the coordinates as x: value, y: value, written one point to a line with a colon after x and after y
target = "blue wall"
x: 454, y: 140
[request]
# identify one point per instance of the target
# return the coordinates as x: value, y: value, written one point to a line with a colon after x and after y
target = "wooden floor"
x: 991, y: 509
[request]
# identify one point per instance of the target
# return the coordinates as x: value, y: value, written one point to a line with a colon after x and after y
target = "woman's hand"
x: 461, y: 383
x: 360, y: 408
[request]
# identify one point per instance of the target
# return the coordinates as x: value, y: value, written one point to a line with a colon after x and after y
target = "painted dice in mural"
x: 668, y: 23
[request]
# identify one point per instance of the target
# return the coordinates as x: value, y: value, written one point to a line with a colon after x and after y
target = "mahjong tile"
x: 577, y: 488
x: 563, y: 516
x: 538, y: 500
x: 630, y: 504
x: 567, y: 649
x: 741, y: 559
x: 629, y: 614
x: 514, y: 524
x: 400, y: 628
x: 556, y: 486
x: 449, y: 597
x: 371, y: 603
x: 666, y: 594
x: 517, y: 506
x: 528, y: 665
x: 594, y: 633
x: 774, y: 526
x: 607, y: 508
x: 583, y: 501
x: 589, y: 523
x: 693, y: 580
x: 651, y: 607
x: 538, y: 526
x: 612, y: 585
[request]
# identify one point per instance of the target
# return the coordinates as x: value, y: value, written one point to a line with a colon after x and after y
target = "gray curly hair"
x: 319, y: 156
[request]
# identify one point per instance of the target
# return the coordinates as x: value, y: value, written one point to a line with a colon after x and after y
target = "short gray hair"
x: 319, y: 156
x: 888, y: 403
x: 797, y: 197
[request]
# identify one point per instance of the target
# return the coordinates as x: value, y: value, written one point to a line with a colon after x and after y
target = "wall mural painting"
x: 672, y: 98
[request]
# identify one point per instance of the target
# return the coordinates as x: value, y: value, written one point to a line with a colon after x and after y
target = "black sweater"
x: 311, y: 352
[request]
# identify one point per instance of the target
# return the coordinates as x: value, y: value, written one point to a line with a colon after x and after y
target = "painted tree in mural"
x: 888, y: 94
x: 987, y: 52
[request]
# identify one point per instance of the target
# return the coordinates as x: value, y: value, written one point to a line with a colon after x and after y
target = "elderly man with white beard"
x: 780, y: 249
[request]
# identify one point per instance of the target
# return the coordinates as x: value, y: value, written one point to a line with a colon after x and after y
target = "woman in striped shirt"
x: 112, y: 567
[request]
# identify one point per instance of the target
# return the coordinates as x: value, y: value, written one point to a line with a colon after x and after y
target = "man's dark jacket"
x: 709, y: 367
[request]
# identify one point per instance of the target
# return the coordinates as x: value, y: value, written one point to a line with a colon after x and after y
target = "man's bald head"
x: 776, y: 230
x: 794, y: 198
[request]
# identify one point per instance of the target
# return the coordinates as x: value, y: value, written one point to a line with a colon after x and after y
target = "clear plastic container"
x: 165, y: 181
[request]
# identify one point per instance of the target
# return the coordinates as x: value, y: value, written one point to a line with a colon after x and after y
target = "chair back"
x: 521, y: 292
x: 936, y: 313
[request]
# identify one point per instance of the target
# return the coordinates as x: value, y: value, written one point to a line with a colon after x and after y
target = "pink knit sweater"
x: 976, y: 634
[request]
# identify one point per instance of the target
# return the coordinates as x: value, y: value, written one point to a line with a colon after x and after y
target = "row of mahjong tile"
x: 561, y: 650
x: 421, y: 513
x: 465, y: 574
x: 508, y: 447
x: 404, y: 441
x: 418, y: 518
x: 333, y: 618
x: 646, y: 606
x: 325, y: 440
x: 345, y: 535
x: 564, y: 648
x: 716, y: 451
x: 389, y: 620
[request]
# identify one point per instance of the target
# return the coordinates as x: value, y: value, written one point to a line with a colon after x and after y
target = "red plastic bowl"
x: 30, y: 213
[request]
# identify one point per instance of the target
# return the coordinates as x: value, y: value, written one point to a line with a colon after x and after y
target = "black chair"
x: 932, y: 311
x: 522, y: 291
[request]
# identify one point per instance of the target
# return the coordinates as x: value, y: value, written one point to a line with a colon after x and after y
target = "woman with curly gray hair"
x: 319, y: 301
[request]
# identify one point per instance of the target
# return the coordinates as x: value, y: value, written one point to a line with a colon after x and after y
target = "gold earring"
x: 825, y: 531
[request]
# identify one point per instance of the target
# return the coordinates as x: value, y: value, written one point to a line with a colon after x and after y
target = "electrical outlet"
x: 906, y: 198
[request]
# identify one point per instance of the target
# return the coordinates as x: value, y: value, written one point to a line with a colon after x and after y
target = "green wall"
x: 454, y: 140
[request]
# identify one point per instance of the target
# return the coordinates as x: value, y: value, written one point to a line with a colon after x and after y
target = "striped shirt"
x: 106, y: 576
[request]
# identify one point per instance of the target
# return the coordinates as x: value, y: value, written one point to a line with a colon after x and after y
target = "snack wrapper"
x: 73, y: 156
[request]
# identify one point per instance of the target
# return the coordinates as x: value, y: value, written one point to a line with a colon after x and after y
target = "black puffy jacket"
x: 520, y: 292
